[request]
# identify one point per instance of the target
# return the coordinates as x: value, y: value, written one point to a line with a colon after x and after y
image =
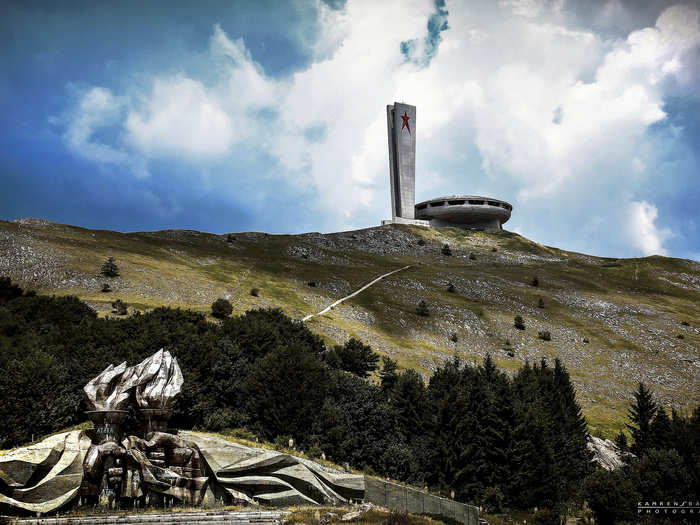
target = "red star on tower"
x: 406, y: 118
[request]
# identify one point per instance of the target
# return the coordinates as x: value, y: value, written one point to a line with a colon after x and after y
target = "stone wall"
x: 405, y: 499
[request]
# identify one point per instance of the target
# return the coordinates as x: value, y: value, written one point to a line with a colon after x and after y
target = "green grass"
x: 190, y: 270
x: 332, y: 515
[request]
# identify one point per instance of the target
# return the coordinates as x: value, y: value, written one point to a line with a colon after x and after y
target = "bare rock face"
x: 606, y: 453
x: 157, y: 380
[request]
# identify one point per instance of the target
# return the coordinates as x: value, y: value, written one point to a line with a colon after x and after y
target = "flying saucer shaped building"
x: 465, y: 211
x: 462, y: 211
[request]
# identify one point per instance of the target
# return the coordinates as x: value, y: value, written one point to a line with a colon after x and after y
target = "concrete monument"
x: 461, y: 211
x: 402, y: 158
x: 159, y: 467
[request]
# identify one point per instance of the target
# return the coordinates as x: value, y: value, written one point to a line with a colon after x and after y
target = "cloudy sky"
x: 270, y: 116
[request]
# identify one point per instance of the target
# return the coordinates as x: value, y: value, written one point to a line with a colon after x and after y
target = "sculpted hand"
x: 169, y: 451
x: 103, y: 466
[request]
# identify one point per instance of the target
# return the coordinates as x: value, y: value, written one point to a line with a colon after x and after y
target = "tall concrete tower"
x: 401, y: 124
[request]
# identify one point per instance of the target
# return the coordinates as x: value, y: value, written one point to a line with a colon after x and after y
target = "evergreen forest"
x: 501, y: 441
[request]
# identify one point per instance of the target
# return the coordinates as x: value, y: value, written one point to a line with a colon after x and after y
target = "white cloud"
x: 179, y: 118
x: 97, y: 108
x: 335, y: 26
x: 645, y: 235
x: 514, y: 101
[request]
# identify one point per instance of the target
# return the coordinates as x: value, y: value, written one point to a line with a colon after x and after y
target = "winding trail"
x: 353, y: 294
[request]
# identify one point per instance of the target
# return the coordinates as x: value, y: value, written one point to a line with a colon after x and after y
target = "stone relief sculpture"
x: 158, y: 467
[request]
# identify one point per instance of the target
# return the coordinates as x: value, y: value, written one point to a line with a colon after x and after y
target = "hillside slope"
x: 613, y: 322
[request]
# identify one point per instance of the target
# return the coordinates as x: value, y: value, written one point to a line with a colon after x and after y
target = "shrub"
x: 540, y: 303
x: 494, y: 249
x: 472, y: 256
x: 585, y: 340
x: 422, y: 308
x: 454, y: 338
x: 519, y: 323
x: 312, y: 284
x: 315, y: 452
x: 219, y: 419
x: 446, y: 250
x: 493, y: 500
x: 230, y: 238
x: 685, y: 323
x: 544, y: 335
x: 421, y: 242
x: 109, y: 268
x: 9, y: 290
x: 283, y: 441
x: 546, y: 517
x: 254, y: 292
x: 119, y: 307
x: 221, y: 308
x: 396, y: 517
x: 354, y: 357
x: 106, y: 288
x: 611, y: 496
x: 241, y: 433
x: 535, y: 281
x: 451, y: 288
x: 680, y: 336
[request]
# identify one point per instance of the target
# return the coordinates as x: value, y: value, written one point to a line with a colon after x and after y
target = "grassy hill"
x: 613, y: 322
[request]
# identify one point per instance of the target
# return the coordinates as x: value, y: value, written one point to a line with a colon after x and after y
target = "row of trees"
x: 661, y: 465
x: 504, y: 441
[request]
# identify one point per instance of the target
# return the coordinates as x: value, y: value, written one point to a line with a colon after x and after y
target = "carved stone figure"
x: 158, y: 467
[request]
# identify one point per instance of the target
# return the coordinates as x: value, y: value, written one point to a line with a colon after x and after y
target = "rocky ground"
x: 613, y: 322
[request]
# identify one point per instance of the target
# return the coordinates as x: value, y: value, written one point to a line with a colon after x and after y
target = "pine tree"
x: 409, y: 400
x: 109, y: 268
x: 533, y: 481
x: 448, y: 441
x: 573, y: 429
x: 492, y: 402
x: 661, y: 430
x: 388, y: 375
x: 641, y: 414
x: 621, y: 441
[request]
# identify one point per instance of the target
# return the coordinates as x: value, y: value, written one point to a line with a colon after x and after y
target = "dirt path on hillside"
x: 353, y: 294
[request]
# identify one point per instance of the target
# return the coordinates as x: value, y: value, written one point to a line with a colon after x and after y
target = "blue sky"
x: 270, y: 116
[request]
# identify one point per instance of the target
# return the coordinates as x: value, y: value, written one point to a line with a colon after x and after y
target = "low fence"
x: 405, y: 499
